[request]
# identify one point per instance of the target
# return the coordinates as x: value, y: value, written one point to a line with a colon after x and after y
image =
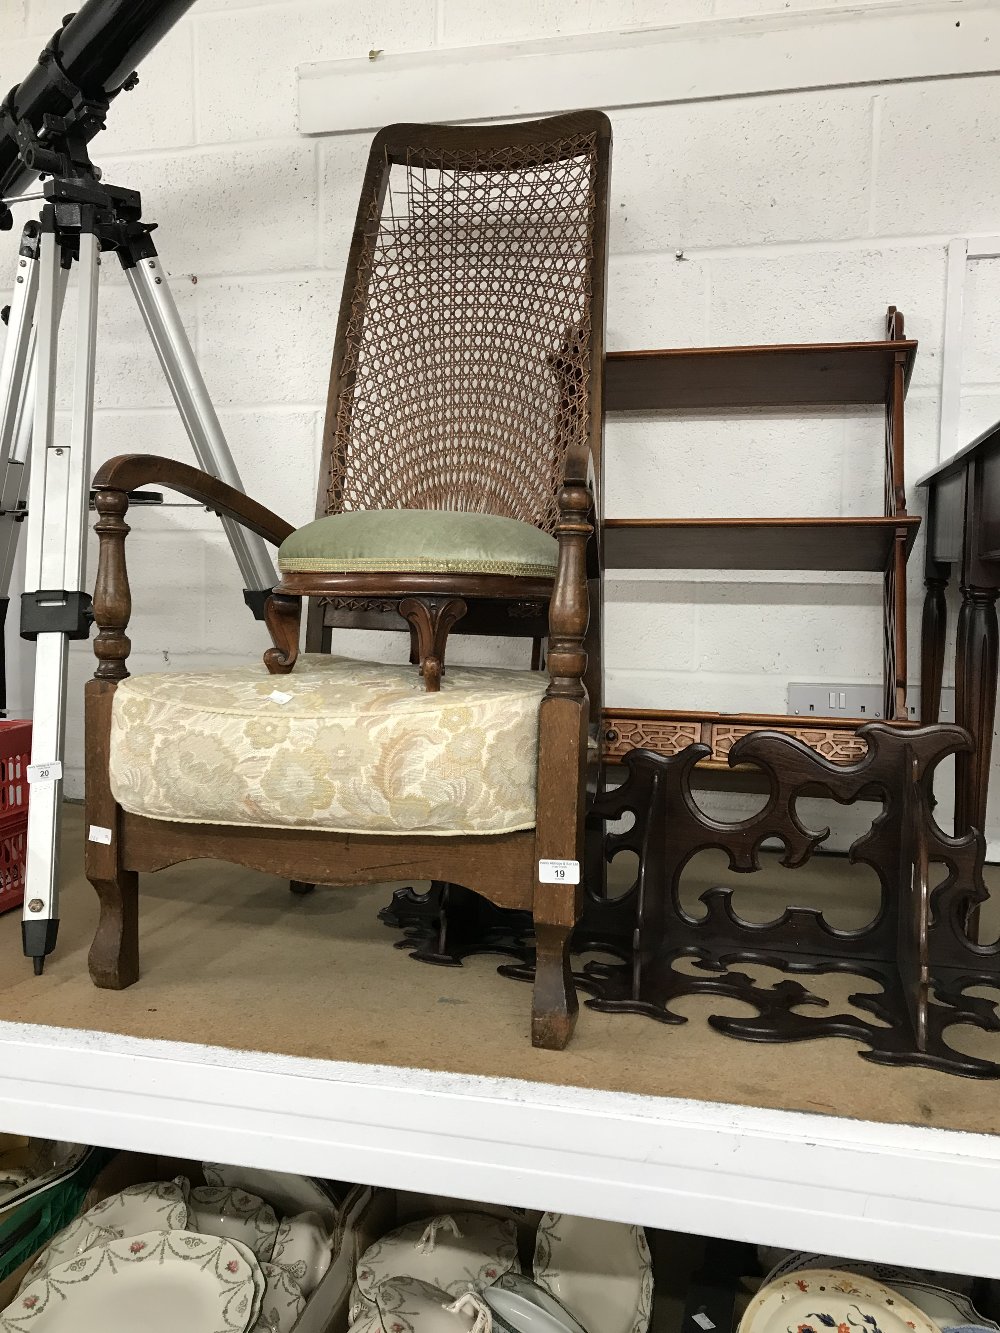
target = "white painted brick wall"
x: 801, y: 216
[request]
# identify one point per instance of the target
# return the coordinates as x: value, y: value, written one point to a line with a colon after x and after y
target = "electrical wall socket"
x: 819, y: 699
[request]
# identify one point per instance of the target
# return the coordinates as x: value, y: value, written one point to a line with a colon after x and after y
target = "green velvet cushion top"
x: 419, y: 541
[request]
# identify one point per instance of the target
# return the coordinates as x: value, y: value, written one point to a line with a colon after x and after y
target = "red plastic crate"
x: 15, y: 756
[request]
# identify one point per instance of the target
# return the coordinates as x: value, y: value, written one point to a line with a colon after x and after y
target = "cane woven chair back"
x: 470, y: 345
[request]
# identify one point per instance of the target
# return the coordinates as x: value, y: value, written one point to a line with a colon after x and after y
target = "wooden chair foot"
x: 300, y: 886
x: 114, y: 954
x: 430, y: 620
x: 555, y: 1005
x: 283, y: 616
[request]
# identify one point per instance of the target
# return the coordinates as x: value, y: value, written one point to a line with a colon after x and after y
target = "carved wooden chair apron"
x: 460, y: 492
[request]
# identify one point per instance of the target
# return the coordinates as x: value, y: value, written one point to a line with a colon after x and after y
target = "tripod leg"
x: 149, y: 286
x: 53, y: 607
x: 18, y: 391
x: 16, y: 395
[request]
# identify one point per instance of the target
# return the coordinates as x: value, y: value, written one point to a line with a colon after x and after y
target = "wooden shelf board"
x: 844, y: 544
x: 796, y: 375
x: 290, y: 1035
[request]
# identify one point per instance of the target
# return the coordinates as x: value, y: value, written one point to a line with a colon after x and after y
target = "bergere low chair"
x: 460, y: 492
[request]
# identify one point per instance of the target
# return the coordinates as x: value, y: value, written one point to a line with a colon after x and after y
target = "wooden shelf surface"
x: 797, y: 375
x: 840, y: 544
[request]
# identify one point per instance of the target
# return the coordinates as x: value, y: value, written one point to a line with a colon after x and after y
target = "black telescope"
x: 92, y: 56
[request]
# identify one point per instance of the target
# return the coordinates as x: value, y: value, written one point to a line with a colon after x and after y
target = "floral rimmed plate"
x: 821, y: 1300
x: 160, y: 1282
x: 80, y: 1235
x: 941, y: 1296
x: 156, y: 1206
x: 160, y: 1205
x: 600, y: 1271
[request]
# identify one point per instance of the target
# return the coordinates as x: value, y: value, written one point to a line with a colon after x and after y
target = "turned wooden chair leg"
x: 554, y: 1004
x: 114, y: 954
x: 431, y: 619
x: 283, y: 616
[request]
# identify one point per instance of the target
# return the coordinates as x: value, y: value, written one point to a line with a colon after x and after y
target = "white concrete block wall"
x: 800, y: 216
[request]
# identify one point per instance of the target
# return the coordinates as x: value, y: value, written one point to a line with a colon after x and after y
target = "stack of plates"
x: 941, y: 1297
x: 164, y: 1257
x: 854, y: 1298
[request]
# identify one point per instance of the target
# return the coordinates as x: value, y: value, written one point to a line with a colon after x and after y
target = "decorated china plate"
x: 161, y: 1282
x: 600, y: 1271
x: 941, y: 1296
x: 64, y: 1246
x: 160, y: 1205
x: 156, y: 1206
x: 823, y: 1300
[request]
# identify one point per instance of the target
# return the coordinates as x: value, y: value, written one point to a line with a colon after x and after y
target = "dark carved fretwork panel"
x: 915, y: 946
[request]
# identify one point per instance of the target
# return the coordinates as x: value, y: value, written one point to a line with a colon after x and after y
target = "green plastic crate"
x: 36, y: 1221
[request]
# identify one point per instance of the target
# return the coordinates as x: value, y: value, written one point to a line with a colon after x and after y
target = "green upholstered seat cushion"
x: 419, y: 541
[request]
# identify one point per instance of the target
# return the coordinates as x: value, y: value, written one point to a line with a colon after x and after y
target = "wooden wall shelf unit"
x: 720, y: 378
x: 797, y: 375
x: 844, y: 544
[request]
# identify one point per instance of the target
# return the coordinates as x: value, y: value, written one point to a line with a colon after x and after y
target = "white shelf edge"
x: 894, y: 1193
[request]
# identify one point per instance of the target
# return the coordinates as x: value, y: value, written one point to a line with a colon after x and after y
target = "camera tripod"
x: 45, y: 478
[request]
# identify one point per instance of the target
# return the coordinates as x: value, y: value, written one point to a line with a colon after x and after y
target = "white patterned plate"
x: 601, y: 1271
x: 160, y: 1205
x: 823, y: 1300
x: 66, y: 1245
x: 160, y: 1282
x: 236, y: 1215
x: 942, y: 1297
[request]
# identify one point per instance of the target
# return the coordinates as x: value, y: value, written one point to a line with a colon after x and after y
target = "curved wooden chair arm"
x: 579, y: 466
x: 128, y: 472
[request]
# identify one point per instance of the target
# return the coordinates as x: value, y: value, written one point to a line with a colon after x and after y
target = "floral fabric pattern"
x: 358, y: 747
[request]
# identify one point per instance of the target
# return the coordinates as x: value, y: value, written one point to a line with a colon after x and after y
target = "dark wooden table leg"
x: 975, y: 707
x: 975, y: 702
x: 933, y: 630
